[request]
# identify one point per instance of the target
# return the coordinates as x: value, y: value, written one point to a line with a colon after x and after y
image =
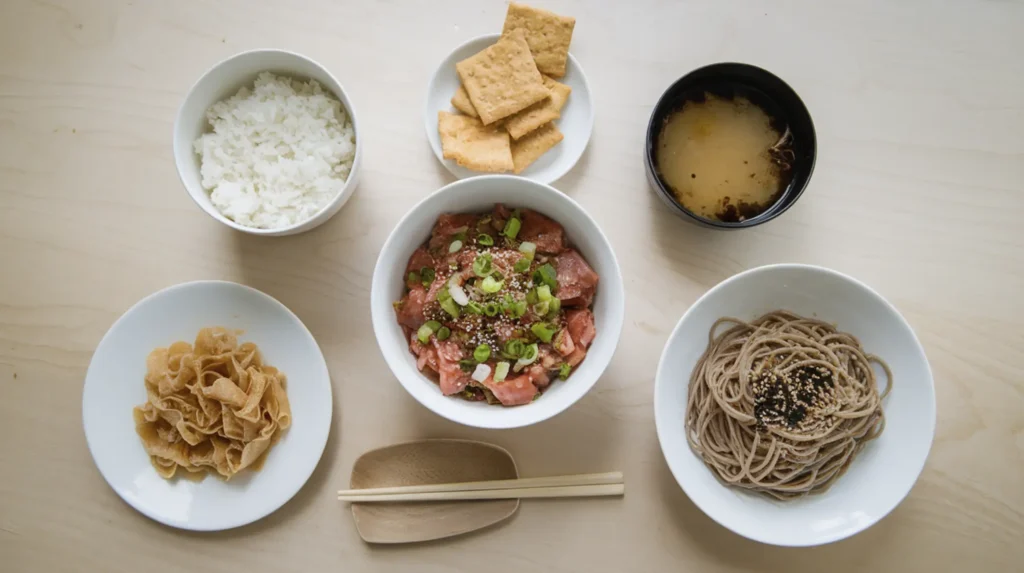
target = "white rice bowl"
x: 278, y: 153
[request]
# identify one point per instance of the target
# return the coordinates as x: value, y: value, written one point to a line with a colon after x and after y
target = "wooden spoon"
x: 430, y: 462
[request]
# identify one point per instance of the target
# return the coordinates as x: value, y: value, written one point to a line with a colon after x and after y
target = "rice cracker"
x: 460, y: 101
x: 541, y: 112
x: 502, y: 79
x: 547, y: 34
x: 474, y: 145
x: 528, y: 149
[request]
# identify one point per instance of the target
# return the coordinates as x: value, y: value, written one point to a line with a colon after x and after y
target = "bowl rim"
x: 381, y: 271
x: 662, y: 426
x: 660, y: 187
x: 430, y: 115
x: 346, y: 102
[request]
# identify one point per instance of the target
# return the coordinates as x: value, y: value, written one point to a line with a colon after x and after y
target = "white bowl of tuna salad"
x: 267, y: 143
x: 449, y: 242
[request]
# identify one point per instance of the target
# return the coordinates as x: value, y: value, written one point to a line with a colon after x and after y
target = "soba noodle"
x: 781, y: 405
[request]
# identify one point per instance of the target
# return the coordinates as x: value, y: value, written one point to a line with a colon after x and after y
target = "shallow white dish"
x: 884, y: 471
x: 479, y: 194
x: 577, y: 121
x: 224, y: 80
x: 114, y: 385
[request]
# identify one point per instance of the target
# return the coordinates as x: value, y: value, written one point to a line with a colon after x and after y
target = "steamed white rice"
x: 278, y: 153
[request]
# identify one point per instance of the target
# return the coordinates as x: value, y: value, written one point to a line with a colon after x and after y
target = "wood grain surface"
x: 918, y: 191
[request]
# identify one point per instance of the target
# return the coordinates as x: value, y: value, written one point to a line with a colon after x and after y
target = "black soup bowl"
x: 763, y: 89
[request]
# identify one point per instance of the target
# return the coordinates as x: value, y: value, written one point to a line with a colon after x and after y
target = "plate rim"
x: 680, y: 475
x: 430, y: 119
x: 271, y: 508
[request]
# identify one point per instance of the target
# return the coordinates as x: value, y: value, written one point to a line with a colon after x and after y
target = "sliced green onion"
x: 449, y: 306
x: 528, y: 358
x: 428, y: 275
x: 443, y: 295
x: 543, y: 331
x: 474, y: 307
x: 491, y: 286
x: 443, y: 333
x: 564, y: 370
x: 546, y: 275
x: 423, y: 334
x: 482, y: 265
x: 531, y: 297
x: 530, y: 353
x: 541, y: 308
x: 413, y: 278
x: 482, y: 353
x: 522, y: 265
x: 460, y: 234
x: 543, y: 293
x: 455, y: 246
x: 519, y: 309
x: 501, y: 371
x: 491, y: 309
x: 554, y: 305
x: 514, y: 348
x: 467, y: 365
x: 528, y: 249
x: 485, y: 240
x: 512, y: 228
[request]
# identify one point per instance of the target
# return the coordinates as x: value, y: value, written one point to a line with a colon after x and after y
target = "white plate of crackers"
x: 516, y: 102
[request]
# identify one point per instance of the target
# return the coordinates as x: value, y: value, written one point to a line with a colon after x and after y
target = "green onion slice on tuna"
x: 546, y: 275
x: 512, y: 228
x: 455, y: 246
x: 485, y: 240
x: 564, y: 370
x: 529, y: 249
x: 448, y: 305
x: 554, y: 305
x: 482, y: 265
x: 529, y: 357
x: 514, y: 348
x: 522, y: 265
x: 491, y: 286
x: 428, y: 275
x: 443, y: 333
x: 482, y: 353
x: 544, y: 331
x: 543, y: 293
x: 424, y: 332
x: 501, y: 371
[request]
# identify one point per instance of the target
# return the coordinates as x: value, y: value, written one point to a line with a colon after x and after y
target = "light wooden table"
x: 919, y: 191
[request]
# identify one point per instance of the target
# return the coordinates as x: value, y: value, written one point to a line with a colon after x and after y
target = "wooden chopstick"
x: 549, y: 481
x: 510, y: 493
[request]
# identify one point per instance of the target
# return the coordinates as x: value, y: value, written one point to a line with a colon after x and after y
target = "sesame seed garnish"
x: 796, y: 399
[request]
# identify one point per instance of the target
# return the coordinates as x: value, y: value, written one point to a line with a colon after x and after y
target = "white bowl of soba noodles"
x: 794, y: 405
